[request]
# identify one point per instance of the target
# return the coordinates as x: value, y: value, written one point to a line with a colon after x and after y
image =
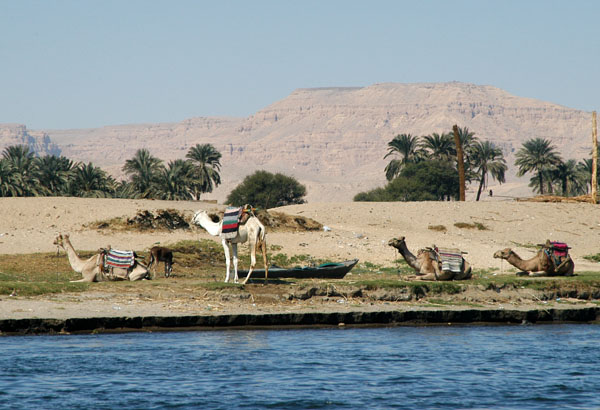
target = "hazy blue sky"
x: 73, y: 64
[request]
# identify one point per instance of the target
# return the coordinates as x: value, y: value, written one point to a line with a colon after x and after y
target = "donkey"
x: 161, y: 254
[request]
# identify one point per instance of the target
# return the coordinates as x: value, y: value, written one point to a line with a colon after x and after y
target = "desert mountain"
x: 331, y: 139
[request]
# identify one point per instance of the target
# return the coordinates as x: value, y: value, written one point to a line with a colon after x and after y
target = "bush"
x: 424, y: 181
x: 266, y: 190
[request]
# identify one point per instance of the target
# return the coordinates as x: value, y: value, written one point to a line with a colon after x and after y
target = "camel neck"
x: 211, y: 227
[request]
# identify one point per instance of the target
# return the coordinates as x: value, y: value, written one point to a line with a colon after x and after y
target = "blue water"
x: 533, y: 367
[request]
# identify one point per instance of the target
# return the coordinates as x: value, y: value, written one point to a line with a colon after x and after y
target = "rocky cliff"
x: 334, y: 139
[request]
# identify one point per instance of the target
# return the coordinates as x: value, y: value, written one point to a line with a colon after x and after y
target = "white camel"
x: 253, y: 232
x: 91, y: 269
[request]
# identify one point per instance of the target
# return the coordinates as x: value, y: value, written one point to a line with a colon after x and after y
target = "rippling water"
x: 534, y: 367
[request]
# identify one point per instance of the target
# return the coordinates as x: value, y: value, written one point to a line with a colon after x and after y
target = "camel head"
x: 503, y: 253
x: 59, y: 240
x: 198, y: 217
x: 397, y: 242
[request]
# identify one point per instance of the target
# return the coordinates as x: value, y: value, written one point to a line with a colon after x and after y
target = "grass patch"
x: 475, y: 225
x: 437, y: 228
x: 525, y: 245
x: 593, y: 258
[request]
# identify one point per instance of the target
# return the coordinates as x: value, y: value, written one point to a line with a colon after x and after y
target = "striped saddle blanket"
x: 231, y: 222
x: 451, y: 259
x: 119, y: 259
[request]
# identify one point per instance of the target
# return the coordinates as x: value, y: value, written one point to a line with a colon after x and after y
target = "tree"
x: 487, y: 158
x: 143, y: 170
x: 206, y: 160
x: 426, y: 181
x: 90, y: 181
x: 407, y: 147
x: 266, y: 190
x: 571, y: 179
x: 175, y: 182
x: 439, y: 146
x: 8, y: 179
x: 585, y: 167
x: 536, y: 156
x: 55, y: 174
x: 23, y: 164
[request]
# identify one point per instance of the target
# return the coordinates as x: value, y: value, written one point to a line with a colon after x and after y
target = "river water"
x: 470, y: 367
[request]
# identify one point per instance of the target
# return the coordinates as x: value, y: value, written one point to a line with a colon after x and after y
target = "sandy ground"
x: 354, y: 230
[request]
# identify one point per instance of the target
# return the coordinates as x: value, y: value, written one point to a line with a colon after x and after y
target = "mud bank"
x: 286, y: 320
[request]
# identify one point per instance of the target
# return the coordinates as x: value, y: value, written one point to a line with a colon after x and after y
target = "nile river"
x: 500, y: 367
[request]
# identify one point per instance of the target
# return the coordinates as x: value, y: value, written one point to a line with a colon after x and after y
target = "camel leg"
x: 252, y: 259
x: 227, y: 260
x: 263, y: 246
x: 235, y: 262
x: 83, y: 280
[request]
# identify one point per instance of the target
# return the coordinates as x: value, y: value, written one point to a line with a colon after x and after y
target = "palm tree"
x: 8, y: 180
x: 570, y: 177
x: 175, y: 181
x: 585, y: 168
x: 143, y: 169
x: 409, y: 150
x: 439, y: 146
x: 55, y: 173
x: 90, y: 181
x: 467, y: 141
x: 487, y: 158
x: 206, y: 161
x: 25, y: 168
x: 536, y: 156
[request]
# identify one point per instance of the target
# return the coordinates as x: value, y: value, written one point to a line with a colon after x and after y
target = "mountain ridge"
x: 333, y: 139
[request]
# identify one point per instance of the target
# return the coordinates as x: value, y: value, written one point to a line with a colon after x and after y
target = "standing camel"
x: 91, y: 269
x: 253, y: 232
x: 540, y: 265
x: 427, y: 265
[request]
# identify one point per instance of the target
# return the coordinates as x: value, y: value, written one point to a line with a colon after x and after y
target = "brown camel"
x: 427, y: 264
x: 91, y: 269
x: 542, y: 264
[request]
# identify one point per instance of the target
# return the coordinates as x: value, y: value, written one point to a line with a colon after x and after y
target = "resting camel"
x: 91, y: 269
x: 427, y: 265
x: 252, y: 231
x: 540, y: 265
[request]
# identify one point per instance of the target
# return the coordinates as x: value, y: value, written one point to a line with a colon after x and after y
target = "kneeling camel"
x: 427, y: 265
x: 542, y: 264
x: 91, y: 269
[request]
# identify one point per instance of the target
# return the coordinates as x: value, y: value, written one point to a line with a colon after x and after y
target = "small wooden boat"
x: 330, y: 270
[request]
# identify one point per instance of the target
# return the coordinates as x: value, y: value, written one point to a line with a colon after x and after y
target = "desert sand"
x: 353, y: 230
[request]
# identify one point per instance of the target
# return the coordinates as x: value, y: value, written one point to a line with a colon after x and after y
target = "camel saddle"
x: 113, y: 258
x: 558, y: 252
x: 231, y: 222
x: 233, y: 218
x: 451, y: 259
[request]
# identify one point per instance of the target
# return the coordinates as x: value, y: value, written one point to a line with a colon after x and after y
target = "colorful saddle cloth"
x: 557, y: 252
x: 452, y: 259
x: 231, y: 222
x: 119, y: 259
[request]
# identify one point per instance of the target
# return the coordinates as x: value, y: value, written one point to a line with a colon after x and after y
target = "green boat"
x: 330, y: 270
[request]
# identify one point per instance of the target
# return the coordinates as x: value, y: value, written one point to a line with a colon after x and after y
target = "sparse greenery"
x: 438, y: 228
x: 475, y: 225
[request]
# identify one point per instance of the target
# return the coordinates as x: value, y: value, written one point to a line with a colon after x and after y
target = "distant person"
x: 491, y: 193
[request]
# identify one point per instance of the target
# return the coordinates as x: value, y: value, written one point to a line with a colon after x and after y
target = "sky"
x: 90, y: 63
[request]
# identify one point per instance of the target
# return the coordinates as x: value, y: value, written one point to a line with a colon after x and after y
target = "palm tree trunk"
x: 481, y: 182
x: 541, y: 183
x: 461, y: 164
